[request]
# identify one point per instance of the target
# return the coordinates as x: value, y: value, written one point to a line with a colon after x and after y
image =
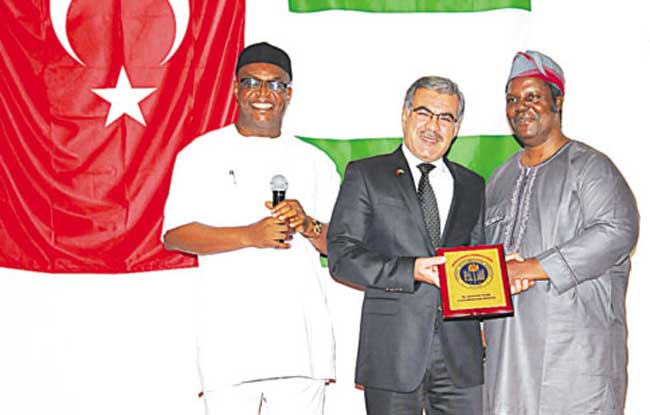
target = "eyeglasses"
x: 272, y: 85
x: 424, y: 115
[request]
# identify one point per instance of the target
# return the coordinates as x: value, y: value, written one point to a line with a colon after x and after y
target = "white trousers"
x: 285, y: 396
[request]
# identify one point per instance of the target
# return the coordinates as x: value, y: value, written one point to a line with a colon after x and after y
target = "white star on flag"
x: 124, y: 99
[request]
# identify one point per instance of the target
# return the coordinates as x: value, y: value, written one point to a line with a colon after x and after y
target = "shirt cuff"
x: 558, y: 270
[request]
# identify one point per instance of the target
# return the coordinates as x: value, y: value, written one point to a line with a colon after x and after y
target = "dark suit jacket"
x: 376, y: 232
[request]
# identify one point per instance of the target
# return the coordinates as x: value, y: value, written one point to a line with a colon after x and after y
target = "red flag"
x: 96, y: 99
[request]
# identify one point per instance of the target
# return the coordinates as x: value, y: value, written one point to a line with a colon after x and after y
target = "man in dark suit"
x: 392, y: 212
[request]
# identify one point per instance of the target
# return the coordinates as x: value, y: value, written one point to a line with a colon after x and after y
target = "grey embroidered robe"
x: 564, y: 352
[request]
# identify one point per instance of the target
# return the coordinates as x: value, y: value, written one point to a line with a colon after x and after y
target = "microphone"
x: 279, y: 186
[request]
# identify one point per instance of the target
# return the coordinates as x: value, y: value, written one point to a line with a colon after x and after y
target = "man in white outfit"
x: 265, y: 338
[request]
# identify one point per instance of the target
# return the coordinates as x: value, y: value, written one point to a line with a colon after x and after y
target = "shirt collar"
x: 413, y: 162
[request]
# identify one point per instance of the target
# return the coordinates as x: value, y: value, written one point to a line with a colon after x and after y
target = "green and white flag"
x: 482, y: 153
x: 352, y: 70
x: 407, y: 5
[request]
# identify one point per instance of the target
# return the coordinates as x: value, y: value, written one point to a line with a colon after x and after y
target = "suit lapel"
x: 404, y: 182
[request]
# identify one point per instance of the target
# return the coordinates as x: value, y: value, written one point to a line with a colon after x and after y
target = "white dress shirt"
x: 441, y: 181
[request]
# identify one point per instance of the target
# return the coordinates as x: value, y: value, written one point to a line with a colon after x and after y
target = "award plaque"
x: 474, y: 282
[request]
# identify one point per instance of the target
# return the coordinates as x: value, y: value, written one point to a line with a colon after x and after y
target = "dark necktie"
x: 427, y: 199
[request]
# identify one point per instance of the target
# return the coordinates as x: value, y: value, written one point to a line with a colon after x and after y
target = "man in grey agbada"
x: 570, y: 214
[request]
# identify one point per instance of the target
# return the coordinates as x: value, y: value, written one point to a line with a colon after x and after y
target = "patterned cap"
x: 537, y: 65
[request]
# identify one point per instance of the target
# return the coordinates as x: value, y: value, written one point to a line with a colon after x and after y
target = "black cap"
x: 264, y: 53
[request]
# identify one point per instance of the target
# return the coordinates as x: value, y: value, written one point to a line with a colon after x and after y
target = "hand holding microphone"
x: 289, y: 210
x: 279, y: 186
x: 271, y: 231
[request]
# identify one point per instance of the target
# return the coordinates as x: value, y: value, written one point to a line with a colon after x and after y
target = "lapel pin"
x: 399, y: 172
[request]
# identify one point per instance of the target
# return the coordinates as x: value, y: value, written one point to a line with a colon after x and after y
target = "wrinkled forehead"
x: 521, y: 84
x: 435, y: 100
x: 264, y: 71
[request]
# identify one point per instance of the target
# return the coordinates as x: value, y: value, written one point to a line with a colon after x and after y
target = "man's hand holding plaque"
x: 425, y: 269
x: 474, y: 282
x: 523, y: 272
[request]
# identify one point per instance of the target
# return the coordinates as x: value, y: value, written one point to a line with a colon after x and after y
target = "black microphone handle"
x: 278, y: 196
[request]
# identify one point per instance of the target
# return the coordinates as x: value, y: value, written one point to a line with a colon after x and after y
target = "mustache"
x: 430, y: 135
x: 525, y: 116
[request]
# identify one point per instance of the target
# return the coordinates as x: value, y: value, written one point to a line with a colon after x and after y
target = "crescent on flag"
x: 181, y: 11
x: 58, y: 14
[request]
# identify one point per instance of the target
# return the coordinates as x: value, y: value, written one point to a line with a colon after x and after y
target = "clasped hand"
x: 290, y: 211
x: 517, y: 273
x: 287, y: 218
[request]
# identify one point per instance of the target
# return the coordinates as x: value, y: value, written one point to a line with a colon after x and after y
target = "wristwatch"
x: 317, y: 228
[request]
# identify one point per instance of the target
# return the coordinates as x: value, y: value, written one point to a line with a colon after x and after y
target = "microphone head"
x: 279, y: 183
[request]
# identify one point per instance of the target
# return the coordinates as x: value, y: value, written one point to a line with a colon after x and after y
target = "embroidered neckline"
x: 545, y: 162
